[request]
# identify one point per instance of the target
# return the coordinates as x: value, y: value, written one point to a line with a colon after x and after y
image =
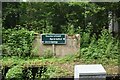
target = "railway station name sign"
x: 53, y: 38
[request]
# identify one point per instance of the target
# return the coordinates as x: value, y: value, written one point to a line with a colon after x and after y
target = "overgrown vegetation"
x: 17, y: 42
x: 21, y: 20
x: 105, y: 47
x: 103, y: 50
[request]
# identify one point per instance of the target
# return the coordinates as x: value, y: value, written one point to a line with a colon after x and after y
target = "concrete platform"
x: 89, y: 72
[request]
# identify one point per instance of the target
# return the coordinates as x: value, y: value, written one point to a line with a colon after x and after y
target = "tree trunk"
x: 113, y: 23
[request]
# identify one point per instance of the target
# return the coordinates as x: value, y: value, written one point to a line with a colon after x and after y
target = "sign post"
x: 53, y: 46
x: 53, y: 39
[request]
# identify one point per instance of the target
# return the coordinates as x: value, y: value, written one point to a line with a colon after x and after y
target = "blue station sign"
x: 53, y: 38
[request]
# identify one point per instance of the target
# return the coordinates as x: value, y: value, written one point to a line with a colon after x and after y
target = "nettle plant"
x: 17, y: 42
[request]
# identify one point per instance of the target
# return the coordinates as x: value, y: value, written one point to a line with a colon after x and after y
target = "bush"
x: 14, y: 73
x: 86, y: 35
x: 17, y: 42
x: 15, y: 68
x: 105, y: 47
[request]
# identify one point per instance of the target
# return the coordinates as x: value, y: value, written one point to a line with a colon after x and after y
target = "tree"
x: 56, y: 17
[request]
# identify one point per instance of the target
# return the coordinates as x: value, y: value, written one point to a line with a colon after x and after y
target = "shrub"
x: 105, y: 47
x: 14, y: 73
x: 86, y: 35
x: 17, y: 42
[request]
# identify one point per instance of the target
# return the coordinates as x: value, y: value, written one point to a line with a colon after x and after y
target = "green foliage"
x: 17, y: 42
x: 50, y: 17
x: 55, y: 17
x: 106, y: 47
x: 52, y: 67
x: 71, y: 30
x: 24, y: 69
x: 85, y: 36
x: 14, y: 73
x: 85, y: 39
x: 48, y: 29
x: 50, y: 73
x: 12, y: 61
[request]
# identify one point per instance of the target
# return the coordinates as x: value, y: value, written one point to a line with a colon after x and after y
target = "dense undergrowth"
x: 17, y: 62
x: 105, y: 47
x: 17, y: 42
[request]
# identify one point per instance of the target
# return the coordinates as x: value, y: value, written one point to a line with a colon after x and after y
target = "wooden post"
x: 53, y: 46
